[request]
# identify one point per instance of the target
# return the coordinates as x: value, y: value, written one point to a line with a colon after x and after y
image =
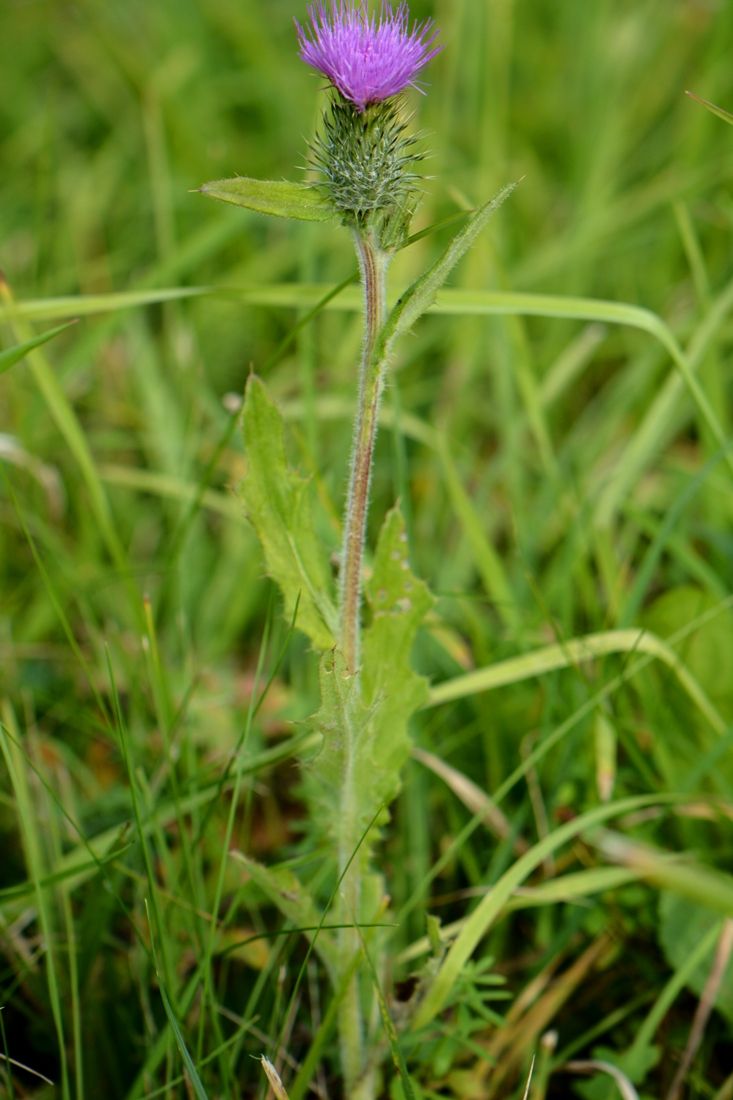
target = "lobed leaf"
x: 341, y: 721
x: 398, y: 601
x: 279, y: 198
x: 365, y: 733
x: 278, y: 503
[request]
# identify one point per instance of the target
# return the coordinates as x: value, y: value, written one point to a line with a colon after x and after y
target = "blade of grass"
x: 714, y: 110
x: 488, y: 562
x: 188, y: 1062
x: 598, y: 699
x: 575, y: 887
x: 141, y: 831
x: 11, y: 356
x: 346, y: 298
x: 241, y: 748
x: 478, y: 303
x: 33, y: 849
x: 75, y: 864
x: 569, y: 655
x: 393, y: 1038
x: 68, y: 424
x: 662, y: 418
x: 669, y: 871
x: 636, y: 1055
x: 481, y: 920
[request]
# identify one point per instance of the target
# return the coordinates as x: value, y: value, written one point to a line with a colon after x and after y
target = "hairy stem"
x: 351, y: 1026
x: 373, y: 265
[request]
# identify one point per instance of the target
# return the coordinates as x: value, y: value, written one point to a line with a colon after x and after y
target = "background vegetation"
x: 560, y: 480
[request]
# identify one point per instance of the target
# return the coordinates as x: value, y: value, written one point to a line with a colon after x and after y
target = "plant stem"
x: 373, y: 264
x: 351, y: 1026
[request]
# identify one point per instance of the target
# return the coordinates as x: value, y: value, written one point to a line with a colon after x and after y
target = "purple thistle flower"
x: 368, y: 58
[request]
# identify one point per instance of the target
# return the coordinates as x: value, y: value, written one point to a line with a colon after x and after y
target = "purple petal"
x: 367, y: 57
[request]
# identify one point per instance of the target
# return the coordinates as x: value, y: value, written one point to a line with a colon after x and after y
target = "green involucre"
x: 367, y: 160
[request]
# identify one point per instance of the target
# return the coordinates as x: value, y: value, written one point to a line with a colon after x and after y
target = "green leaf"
x: 278, y: 503
x: 696, y: 955
x: 574, y: 652
x: 11, y: 356
x: 405, y: 1091
x: 280, y: 198
x: 714, y: 110
x: 287, y: 893
x: 495, y: 901
x: 636, y: 1065
x: 196, y: 1084
x: 421, y: 295
x: 706, y: 654
x: 366, y: 734
x: 683, y: 925
x: 342, y: 723
x: 399, y: 602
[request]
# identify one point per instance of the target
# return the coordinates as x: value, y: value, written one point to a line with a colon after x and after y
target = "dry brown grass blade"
x: 532, y: 1014
x: 473, y: 798
x: 536, y: 798
x: 273, y: 1077
x: 529, y: 1081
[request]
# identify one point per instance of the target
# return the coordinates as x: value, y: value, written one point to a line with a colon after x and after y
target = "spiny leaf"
x: 278, y: 503
x: 11, y: 356
x: 399, y: 602
x: 366, y: 733
x: 340, y: 721
x: 280, y: 198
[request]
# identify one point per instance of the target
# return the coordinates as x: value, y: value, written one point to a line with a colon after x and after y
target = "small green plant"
x: 365, y: 160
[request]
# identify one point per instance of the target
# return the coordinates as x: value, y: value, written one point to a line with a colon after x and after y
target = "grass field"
x: 559, y: 432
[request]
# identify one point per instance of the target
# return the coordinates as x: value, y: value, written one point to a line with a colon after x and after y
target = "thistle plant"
x: 365, y: 163
x: 366, y: 158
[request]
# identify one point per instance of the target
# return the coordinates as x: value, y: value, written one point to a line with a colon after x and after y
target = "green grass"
x: 559, y: 433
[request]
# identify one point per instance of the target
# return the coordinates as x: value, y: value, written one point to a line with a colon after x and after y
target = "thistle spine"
x: 366, y: 161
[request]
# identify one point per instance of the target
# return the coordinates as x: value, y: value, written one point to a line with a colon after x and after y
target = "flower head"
x: 368, y: 58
